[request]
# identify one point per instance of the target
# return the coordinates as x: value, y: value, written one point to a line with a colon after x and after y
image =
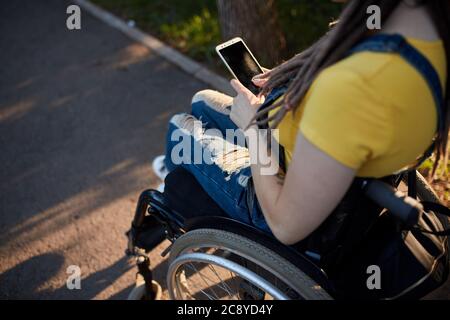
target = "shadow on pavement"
x: 28, y: 279
x: 25, y: 279
x: 82, y: 114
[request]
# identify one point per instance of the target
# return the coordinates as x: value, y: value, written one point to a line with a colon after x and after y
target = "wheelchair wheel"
x: 424, y: 191
x: 216, y: 264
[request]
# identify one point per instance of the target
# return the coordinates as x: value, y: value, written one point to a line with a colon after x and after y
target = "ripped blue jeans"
x: 212, y: 148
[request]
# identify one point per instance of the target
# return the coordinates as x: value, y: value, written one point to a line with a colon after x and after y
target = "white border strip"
x: 188, y: 65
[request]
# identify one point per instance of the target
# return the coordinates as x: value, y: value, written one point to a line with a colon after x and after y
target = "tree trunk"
x: 256, y: 22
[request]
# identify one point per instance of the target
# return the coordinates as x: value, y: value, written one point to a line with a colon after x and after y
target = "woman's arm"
x: 313, y: 186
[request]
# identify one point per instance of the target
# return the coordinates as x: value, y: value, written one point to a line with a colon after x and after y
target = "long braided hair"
x: 299, y: 72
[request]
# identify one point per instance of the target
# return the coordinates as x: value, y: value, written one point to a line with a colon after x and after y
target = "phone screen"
x: 242, y: 63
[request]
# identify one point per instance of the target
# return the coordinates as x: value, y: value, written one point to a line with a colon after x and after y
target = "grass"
x: 189, y: 26
x: 192, y: 27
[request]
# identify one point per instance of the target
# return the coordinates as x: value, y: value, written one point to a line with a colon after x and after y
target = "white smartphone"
x: 240, y: 61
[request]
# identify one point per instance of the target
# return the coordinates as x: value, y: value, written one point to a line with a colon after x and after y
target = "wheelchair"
x: 214, y: 257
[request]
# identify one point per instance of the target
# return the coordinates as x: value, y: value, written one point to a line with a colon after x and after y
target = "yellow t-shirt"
x: 372, y: 112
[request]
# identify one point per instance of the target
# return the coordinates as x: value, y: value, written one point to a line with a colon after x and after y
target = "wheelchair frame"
x: 150, y: 201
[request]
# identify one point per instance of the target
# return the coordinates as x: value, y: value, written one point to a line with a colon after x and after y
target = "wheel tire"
x: 296, y: 279
x: 425, y: 191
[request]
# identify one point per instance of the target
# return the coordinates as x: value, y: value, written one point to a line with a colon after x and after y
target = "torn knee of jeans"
x: 234, y: 161
x: 188, y: 123
x: 214, y: 99
x: 227, y: 156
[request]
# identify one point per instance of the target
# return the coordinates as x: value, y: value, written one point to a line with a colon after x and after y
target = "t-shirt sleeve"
x: 343, y: 118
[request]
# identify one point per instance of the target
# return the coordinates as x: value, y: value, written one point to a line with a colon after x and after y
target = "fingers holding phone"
x: 245, y: 105
x: 259, y: 80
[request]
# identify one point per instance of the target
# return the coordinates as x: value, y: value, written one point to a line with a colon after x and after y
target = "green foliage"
x: 190, y: 26
x: 441, y: 171
x: 198, y: 36
x: 193, y: 28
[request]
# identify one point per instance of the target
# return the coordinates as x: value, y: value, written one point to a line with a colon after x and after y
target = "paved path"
x: 82, y: 113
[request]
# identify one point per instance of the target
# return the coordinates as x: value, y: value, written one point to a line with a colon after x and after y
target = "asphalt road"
x: 82, y: 114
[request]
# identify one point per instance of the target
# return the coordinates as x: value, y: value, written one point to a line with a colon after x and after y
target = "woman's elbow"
x: 290, y: 229
x: 286, y: 230
x: 283, y: 230
x: 285, y: 236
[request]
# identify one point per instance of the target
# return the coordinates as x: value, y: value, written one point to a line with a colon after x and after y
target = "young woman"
x: 343, y: 116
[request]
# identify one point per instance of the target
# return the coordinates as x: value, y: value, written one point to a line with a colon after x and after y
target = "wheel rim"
x: 296, y: 293
x: 177, y: 287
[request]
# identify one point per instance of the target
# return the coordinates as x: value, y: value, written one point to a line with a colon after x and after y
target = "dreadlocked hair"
x: 299, y: 72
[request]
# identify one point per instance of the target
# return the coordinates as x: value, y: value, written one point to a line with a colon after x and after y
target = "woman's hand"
x: 245, y: 105
x: 261, y: 79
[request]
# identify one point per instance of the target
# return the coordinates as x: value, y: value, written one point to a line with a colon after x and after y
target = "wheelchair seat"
x: 183, y: 194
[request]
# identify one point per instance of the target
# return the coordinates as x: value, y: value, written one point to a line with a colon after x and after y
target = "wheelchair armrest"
x: 404, y: 208
x: 156, y: 201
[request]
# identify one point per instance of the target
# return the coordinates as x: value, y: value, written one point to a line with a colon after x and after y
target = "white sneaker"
x: 159, y: 167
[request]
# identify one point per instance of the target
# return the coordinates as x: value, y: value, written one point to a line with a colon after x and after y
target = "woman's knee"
x: 210, y: 99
